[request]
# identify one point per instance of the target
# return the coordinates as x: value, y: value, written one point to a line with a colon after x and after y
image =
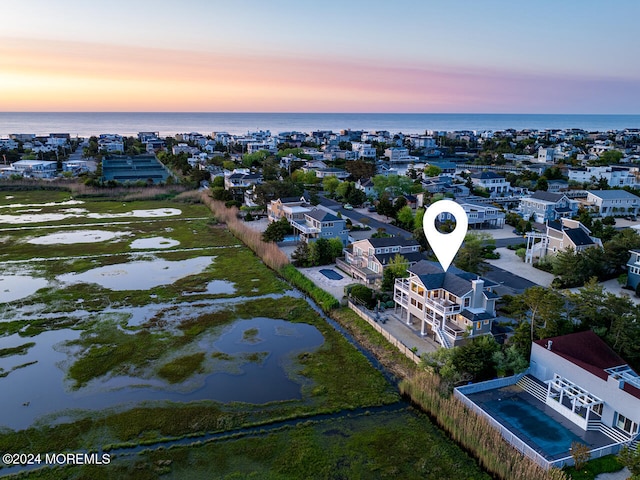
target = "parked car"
x: 372, y: 208
x: 347, y: 206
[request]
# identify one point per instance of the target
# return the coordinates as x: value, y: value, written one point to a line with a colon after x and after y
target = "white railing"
x: 443, y: 306
x: 304, y: 228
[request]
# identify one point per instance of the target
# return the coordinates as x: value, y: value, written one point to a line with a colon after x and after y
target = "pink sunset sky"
x: 349, y: 56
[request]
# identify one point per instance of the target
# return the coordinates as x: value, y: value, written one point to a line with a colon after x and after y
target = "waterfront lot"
x: 106, y: 342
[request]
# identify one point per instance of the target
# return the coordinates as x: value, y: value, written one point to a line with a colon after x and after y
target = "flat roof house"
x: 613, y: 202
x: 587, y: 382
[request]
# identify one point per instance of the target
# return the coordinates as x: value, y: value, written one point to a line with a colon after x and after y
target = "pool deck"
x: 483, y: 399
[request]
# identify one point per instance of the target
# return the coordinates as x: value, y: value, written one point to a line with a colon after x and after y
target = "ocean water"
x: 168, y: 124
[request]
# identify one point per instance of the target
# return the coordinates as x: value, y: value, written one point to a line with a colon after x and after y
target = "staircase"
x: 444, y: 341
x: 532, y: 387
x: 633, y: 445
x: 614, y: 434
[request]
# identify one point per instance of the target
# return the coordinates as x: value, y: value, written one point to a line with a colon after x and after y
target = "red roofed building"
x: 588, y: 383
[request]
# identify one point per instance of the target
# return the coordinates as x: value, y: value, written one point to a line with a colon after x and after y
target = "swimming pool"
x: 532, y: 424
x: 331, y: 274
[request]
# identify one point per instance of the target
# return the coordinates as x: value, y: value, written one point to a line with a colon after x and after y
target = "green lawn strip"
x: 324, y: 299
x: 595, y: 467
x: 32, y: 196
x: 385, y: 446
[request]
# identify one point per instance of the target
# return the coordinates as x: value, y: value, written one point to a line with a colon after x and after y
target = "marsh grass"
x: 399, y: 445
x: 324, y: 299
x: 472, y: 431
x: 19, y: 350
x: 181, y: 368
x: 268, y: 252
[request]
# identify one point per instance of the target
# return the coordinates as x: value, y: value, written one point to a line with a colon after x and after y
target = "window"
x: 486, y: 322
x: 626, y: 424
x: 467, y: 302
x: 478, y: 325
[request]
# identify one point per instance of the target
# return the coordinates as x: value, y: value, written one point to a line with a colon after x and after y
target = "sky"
x: 421, y: 56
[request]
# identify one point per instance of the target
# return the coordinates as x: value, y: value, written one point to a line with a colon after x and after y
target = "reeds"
x: 270, y: 254
x: 473, y: 432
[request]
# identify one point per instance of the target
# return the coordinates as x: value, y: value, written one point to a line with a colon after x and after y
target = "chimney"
x: 477, y: 286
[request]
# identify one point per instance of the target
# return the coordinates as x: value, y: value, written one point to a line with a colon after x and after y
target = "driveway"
x: 514, y: 274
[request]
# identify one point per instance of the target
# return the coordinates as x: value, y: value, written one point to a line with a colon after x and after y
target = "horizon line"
x: 310, y: 113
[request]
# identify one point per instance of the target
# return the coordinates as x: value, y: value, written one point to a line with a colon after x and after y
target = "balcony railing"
x: 304, y: 228
x: 443, y: 306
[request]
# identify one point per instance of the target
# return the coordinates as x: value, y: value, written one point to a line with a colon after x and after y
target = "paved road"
x: 509, y: 282
x: 357, y: 216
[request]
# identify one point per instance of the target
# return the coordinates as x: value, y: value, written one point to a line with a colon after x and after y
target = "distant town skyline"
x: 459, y: 56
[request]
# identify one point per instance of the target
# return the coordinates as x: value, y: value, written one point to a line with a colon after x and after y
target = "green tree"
x: 276, y: 231
x: 405, y: 217
x: 542, y: 184
x: 320, y: 252
x: 631, y: 459
x: 336, y: 248
x: 470, y: 255
x: 432, y: 171
x: 330, y: 184
x: 616, y: 250
x: 301, y: 255
x: 385, y: 207
x: 610, y: 157
x: 363, y: 295
x: 397, y: 268
x: 509, y: 361
x: 544, y: 312
x: 360, y: 169
x: 254, y: 159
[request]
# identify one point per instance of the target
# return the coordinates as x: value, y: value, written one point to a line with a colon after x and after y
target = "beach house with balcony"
x: 320, y: 224
x: 546, y: 206
x: 491, y: 182
x: 365, y: 260
x: 450, y: 306
x: 291, y: 208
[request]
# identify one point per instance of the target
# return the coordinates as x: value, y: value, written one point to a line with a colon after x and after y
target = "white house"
x: 587, y: 382
x: 493, y: 183
x: 35, y: 168
x: 613, y: 202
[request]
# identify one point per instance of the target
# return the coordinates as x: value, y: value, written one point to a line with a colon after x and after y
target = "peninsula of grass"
x: 19, y: 350
x: 181, y: 368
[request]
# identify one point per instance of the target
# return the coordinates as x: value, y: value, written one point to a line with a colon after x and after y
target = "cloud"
x: 66, y: 76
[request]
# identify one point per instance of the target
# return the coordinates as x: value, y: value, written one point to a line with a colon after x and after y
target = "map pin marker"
x: 445, y: 245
